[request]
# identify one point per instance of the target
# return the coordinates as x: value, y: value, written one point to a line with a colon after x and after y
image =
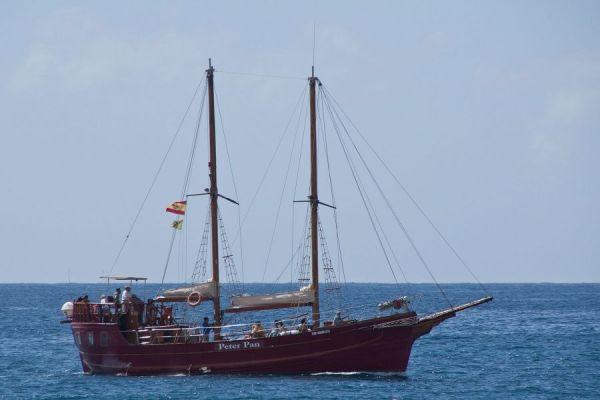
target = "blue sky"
x: 487, y: 112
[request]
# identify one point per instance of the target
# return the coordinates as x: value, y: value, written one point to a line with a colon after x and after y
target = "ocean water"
x: 534, y: 341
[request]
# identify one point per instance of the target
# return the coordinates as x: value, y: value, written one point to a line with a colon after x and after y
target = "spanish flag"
x: 177, y: 208
x: 177, y: 224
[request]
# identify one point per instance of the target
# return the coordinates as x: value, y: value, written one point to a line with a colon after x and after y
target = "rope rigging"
x: 363, y: 196
x: 321, y: 112
x: 304, y: 262
x: 285, y: 180
x: 230, y: 270
x: 268, y: 168
x: 293, y: 224
x: 392, y: 210
x: 186, y: 181
x: 155, y: 178
x: 407, y: 193
x: 235, y: 190
x: 199, y: 273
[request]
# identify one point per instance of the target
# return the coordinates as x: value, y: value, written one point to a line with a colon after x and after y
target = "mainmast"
x: 314, y: 201
x: 214, y: 195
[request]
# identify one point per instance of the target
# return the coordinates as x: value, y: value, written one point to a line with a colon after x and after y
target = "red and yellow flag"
x: 177, y: 207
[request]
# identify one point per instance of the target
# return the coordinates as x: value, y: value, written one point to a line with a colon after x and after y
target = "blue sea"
x: 534, y: 341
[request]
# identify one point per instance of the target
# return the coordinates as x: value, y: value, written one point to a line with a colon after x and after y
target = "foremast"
x: 214, y: 195
x: 314, y: 200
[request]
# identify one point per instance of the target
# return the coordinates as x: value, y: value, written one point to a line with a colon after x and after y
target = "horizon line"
x: 360, y: 283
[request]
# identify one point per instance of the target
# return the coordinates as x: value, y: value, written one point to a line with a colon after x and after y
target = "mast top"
x: 210, y: 67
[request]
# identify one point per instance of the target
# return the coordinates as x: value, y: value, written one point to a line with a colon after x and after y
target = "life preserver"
x: 194, y: 299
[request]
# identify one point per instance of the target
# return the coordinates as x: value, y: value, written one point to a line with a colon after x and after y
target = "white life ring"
x: 194, y: 299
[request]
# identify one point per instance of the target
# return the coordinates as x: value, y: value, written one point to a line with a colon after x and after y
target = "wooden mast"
x: 214, y: 195
x: 314, y: 201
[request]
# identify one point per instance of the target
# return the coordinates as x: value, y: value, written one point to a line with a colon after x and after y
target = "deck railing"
x: 95, y: 312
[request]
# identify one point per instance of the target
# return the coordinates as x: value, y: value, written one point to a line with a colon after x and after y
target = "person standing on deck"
x: 206, y: 328
x: 117, y: 297
x: 126, y: 299
x: 337, y: 320
x: 126, y: 296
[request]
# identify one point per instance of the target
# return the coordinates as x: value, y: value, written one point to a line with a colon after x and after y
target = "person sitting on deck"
x: 206, y: 328
x: 257, y: 330
x: 281, y: 329
x: 85, y: 299
x: 103, y: 299
x: 337, y: 320
x: 303, y: 327
x: 275, y: 331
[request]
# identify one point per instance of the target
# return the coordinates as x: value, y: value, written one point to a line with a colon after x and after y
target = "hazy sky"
x: 489, y: 113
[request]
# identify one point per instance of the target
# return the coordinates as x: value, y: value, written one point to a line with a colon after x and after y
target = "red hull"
x: 380, y: 344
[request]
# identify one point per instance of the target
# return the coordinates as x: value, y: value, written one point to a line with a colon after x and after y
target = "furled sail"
x: 206, y: 290
x: 303, y: 297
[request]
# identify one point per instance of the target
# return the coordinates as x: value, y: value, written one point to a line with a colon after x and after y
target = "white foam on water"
x: 355, y: 373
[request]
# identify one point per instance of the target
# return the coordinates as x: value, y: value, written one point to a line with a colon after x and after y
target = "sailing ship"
x: 141, y: 337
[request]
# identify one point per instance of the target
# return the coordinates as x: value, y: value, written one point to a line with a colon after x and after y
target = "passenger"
x: 88, y: 311
x: 151, y: 313
x: 337, y: 320
x: 303, y: 327
x: 281, y: 329
x: 206, y: 328
x: 257, y: 330
x: 103, y: 299
x: 275, y: 331
x: 126, y: 296
x: 117, y: 297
